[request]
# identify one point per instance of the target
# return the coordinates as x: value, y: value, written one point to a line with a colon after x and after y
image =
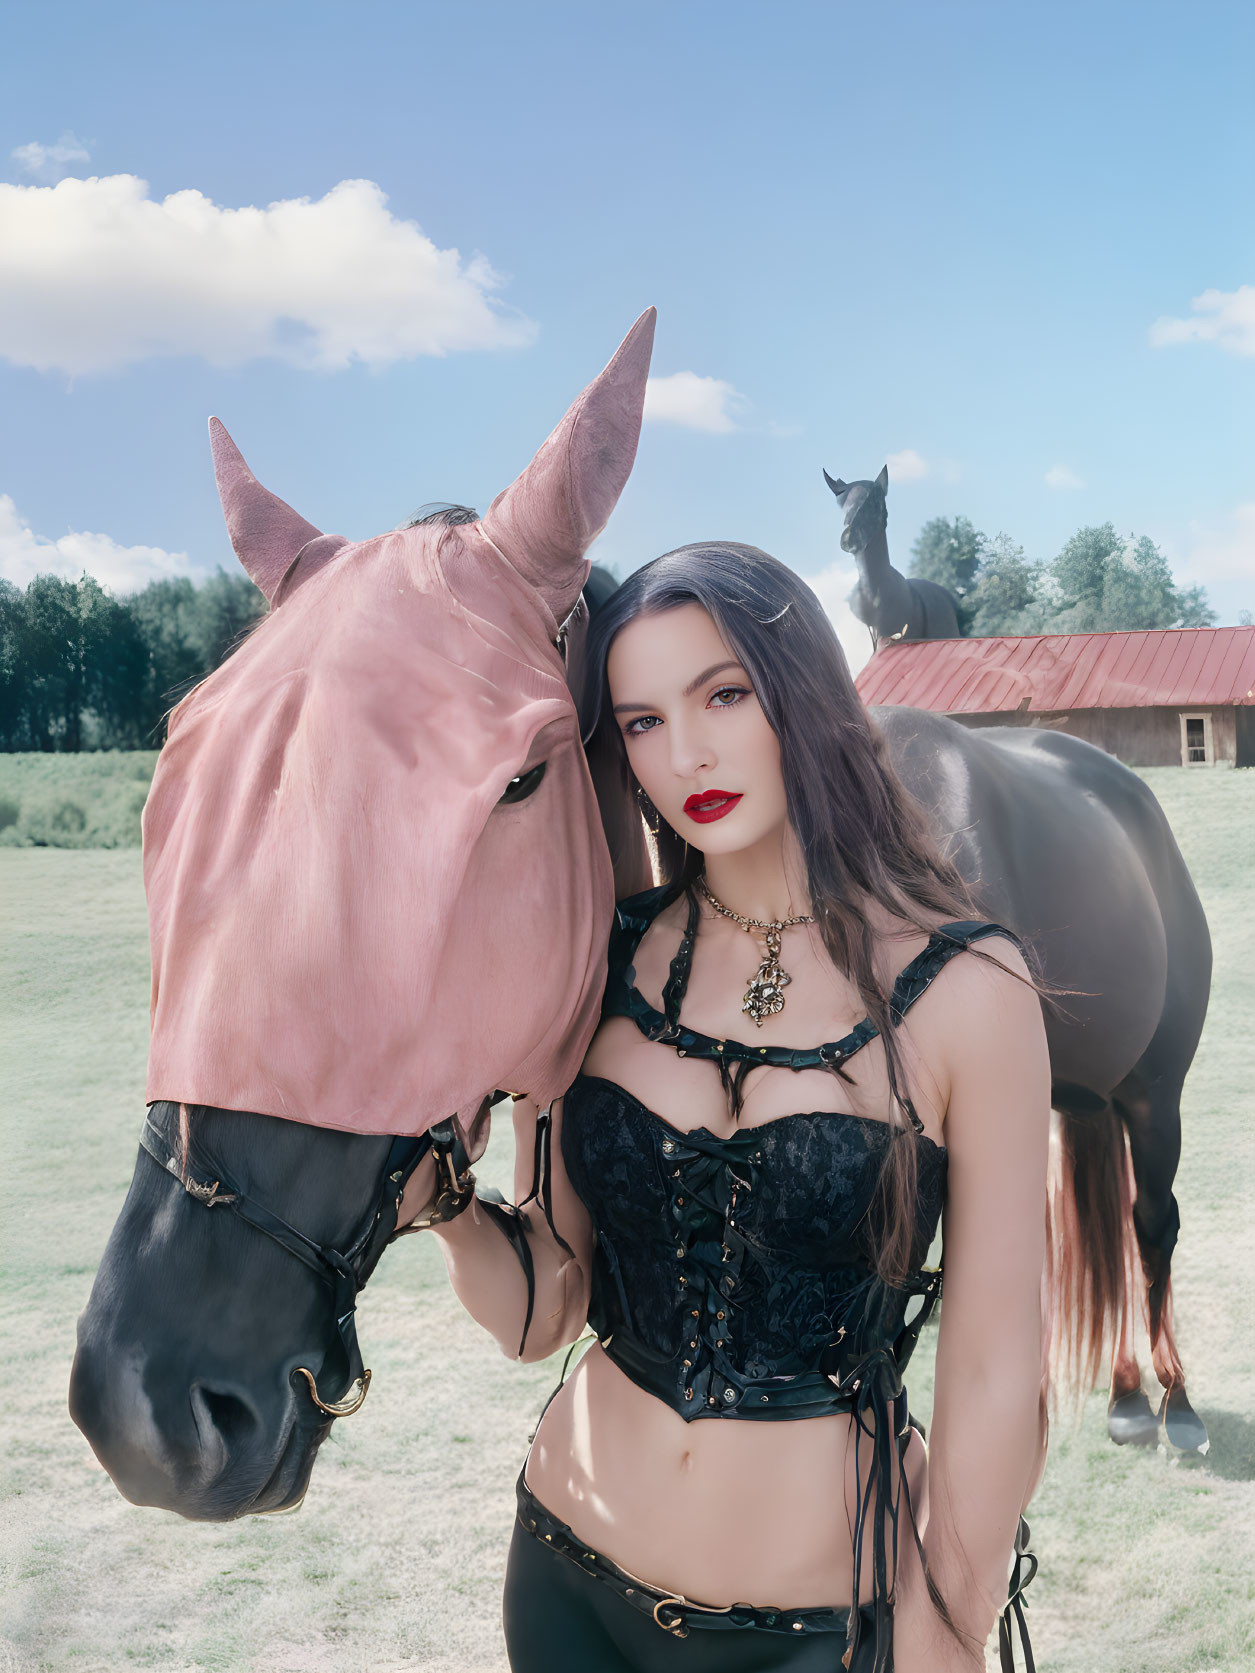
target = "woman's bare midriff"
x: 720, y: 1511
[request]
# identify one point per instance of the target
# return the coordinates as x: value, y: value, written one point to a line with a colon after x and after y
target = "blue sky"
x: 953, y: 235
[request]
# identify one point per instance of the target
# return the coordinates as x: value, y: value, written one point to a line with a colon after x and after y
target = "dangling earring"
x: 650, y: 814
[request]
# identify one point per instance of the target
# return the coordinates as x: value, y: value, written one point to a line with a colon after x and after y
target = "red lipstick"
x: 707, y: 805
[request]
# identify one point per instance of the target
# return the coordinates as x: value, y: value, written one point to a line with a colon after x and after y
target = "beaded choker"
x: 765, y: 995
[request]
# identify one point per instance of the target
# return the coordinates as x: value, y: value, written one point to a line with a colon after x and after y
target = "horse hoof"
x: 1183, y: 1429
x: 1131, y: 1420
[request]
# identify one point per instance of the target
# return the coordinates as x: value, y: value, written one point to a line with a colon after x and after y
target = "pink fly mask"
x: 377, y: 882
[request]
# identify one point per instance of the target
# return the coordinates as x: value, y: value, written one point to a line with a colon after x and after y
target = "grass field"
x: 395, y: 1560
x: 85, y: 799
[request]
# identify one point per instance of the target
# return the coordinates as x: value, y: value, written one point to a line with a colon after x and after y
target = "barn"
x: 1156, y: 697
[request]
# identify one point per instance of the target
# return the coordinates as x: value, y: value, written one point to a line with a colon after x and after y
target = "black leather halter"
x: 206, y: 1181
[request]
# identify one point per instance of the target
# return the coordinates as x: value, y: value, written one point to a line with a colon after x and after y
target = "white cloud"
x: 1216, y: 552
x: 1221, y: 550
x: 696, y: 402
x: 49, y: 162
x: 832, y: 586
x: 96, y: 274
x: 121, y: 569
x: 1062, y: 479
x: 907, y: 466
x: 1224, y: 317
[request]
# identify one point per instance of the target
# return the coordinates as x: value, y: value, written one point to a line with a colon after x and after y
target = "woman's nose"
x: 692, y: 751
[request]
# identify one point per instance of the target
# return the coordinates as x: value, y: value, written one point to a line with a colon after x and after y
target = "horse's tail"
x: 1091, y: 1249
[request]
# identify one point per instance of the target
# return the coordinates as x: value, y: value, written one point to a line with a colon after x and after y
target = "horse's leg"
x: 1151, y: 1105
x: 1131, y: 1419
x: 1089, y: 1261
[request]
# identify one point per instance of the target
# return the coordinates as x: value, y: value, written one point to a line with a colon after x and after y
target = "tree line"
x: 1100, y: 582
x: 80, y: 669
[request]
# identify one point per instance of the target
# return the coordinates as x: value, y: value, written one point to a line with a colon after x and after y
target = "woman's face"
x: 696, y: 737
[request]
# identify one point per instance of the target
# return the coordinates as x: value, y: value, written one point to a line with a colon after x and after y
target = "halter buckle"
x: 208, y: 1194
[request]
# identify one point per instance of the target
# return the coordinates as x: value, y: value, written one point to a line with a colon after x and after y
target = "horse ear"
x: 839, y: 488
x: 265, y: 531
x: 882, y: 481
x: 546, y: 520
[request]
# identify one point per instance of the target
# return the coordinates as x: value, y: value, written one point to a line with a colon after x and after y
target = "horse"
x: 1117, y: 1086
x: 356, y: 823
x: 892, y: 605
x: 1068, y: 847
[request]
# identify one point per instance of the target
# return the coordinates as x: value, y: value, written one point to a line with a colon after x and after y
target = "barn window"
x: 1196, y: 742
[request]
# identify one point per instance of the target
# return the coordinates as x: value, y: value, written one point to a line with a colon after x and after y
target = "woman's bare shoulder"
x: 981, y: 995
x: 1002, y: 951
x: 982, y: 1021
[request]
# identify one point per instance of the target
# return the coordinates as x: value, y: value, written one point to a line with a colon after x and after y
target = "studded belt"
x: 671, y: 1611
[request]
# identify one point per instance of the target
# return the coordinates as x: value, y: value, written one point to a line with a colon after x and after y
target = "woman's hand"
x: 421, y: 1188
x: 532, y: 1306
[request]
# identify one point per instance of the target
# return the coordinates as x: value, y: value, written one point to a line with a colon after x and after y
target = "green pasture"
x: 395, y: 1561
x: 88, y: 799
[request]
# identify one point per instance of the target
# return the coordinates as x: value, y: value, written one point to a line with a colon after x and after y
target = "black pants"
x: 561, y: 1618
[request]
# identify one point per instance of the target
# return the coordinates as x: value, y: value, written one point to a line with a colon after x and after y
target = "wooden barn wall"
x: 1138, y: 737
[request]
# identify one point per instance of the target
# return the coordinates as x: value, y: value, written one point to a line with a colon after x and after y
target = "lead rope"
x: 542, y: 1186
x: 510, y: 1221
x: 542, y: 1193
x: 1016, y: 1605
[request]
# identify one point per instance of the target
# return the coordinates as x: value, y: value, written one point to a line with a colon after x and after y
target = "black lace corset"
x: 734, y: 1277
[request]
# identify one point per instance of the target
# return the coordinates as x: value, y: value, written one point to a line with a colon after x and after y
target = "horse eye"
x: 522, y: 786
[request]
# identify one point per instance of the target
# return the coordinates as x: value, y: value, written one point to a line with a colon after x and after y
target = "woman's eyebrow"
x: 693, y: 685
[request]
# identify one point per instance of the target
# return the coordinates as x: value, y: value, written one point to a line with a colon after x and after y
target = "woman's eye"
x: 642, y: 723
x: 522, y: 785
x: 727, y: 695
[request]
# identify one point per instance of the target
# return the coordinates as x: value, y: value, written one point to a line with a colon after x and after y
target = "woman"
x: 739, y: 1190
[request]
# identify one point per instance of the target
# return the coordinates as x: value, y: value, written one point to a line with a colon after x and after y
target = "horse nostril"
x: 233, y: 1418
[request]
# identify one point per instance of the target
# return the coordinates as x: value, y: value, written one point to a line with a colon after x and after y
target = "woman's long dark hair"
x: 864, y: 838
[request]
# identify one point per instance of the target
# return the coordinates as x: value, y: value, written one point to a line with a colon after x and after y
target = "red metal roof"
x: 1173, y: 667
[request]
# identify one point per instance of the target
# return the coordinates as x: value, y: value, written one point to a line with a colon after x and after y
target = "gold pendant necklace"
x: 765, y: 995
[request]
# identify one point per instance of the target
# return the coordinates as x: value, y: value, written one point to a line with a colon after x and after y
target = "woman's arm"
x: 987, y: 1439
x: 484, y: 1269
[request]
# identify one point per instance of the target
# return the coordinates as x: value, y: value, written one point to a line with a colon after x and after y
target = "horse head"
x: 378, y: 890
x: 866, y: 510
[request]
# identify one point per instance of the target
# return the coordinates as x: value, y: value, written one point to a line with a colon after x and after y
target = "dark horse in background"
x: 892, y: 605
x: 218, y: 1346
x: 1068, y: 847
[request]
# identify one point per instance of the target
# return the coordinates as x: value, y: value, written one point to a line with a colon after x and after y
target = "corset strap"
x: 879, y: 1412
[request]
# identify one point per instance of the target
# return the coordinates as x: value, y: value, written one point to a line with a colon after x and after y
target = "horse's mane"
x: 442, y: 512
